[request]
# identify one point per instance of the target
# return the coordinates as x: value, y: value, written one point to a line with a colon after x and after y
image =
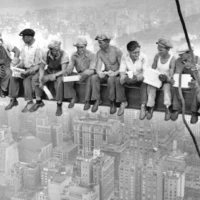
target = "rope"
x: 180, y: 77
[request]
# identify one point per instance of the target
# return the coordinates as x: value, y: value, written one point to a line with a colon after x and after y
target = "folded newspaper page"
x: 186, y: 78
x: 16, y: 72
x: 151, y: 77
x: 71, y: 78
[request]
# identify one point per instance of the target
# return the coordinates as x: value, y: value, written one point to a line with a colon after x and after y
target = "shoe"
x: 59, y: 110
x: 73, y: 101
x: 13, y: 102
x: 167, y: 114
x: 143, y: 111
x: 87, y: 105
x: 96, y: 105
x: 113, y: 108
x: 121, y: 109
x: 28, y: 106
x: 174, y: 115
x: 36, y: 106
x: 3, y: 94
x: 194, y: 118
x: 150, y: 113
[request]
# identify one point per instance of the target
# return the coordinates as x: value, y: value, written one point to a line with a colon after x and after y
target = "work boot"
x: 143, y: 111
x: 150, y: 113
x: 167, y: 114
x: 59, y: 109
x: 121, y: 109
x: 174, y: 115
x: 37, y: 105
x: 3, y: 94
x: 96, y: 105
x: 13, y: 102
x: 28, y: 106
x: 87, y: 105
x: 73, y: 101
x: 113, y: 108
x: 194, y: 118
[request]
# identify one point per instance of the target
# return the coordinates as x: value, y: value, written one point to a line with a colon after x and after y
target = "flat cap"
x: 27, y: 32
x: 165, y: 43
x: 101, y: 37
x: 184, y: 48
x: 54, y: 43
x: 80, y: 41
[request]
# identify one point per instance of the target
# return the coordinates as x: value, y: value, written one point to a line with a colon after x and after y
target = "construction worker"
x: 57, y: 62
x: 164, y: 62
x: 84, y: 61
x: 31, y: 56
x: 110, y: 56
x: 131, y: 70
x: 184, y: 64
x: 5, y: 62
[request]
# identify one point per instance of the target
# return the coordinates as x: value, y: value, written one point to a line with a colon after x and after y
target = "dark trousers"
x: 96, y: 84
x: 120, y: 90
x: 176, y: 100
x: 55, y: 87
x: 27, y: 84
x: 70, y: 92
x: 6, y: 79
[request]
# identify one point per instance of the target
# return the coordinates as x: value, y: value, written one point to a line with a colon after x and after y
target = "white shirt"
x: 8, y: 47
x: 137, y: 68
x: 31, y: 55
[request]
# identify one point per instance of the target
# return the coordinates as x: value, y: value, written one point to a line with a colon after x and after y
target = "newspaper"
x: 16, y: 72
x: 151, y: 77
x: 71, y: 78
x: 186, y: 78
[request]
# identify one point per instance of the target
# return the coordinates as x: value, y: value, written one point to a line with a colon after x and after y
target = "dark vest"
x: 54, y: 65
x: 4, y: 59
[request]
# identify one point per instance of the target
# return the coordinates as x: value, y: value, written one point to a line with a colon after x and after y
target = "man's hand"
x: 172, y: 81
x: 41, y: 85
x: 163, y: 78
x: 52, y: 77
x: 111, y: 73
x: 68, y: 71
x: 102, y: 74
x: 83, y: 77
x: 2, y: 72
x: 122, y: 80
x: 192, y: 84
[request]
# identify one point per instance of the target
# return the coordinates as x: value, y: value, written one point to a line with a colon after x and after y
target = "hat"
x: 27, y: 32
x: 165, y: 43
x: 80, y: 41
x: 184, y: 48
x: 54, y: 43
x: 101, y: 37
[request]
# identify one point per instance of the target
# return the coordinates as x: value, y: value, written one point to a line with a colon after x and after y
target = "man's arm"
x: 92, y: 66
x: 171, y: 70
x: 98, y: 63
x: 122, y: 70
x: 16, y: 52
x: 119, y: 57
x: 64, y: 65
x: 155, y: 61
x: 70, y: 66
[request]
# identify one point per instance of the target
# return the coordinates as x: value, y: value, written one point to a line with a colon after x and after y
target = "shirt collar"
x: 54, y: 58
x: 86, y: 54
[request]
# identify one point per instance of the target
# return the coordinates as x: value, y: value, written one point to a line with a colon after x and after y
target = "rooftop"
x: 65, y: 147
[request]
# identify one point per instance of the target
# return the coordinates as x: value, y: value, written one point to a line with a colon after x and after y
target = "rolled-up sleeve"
x: 123, y: 65
x: 9, y: 46
x: 65, y: 58
x: 38, y: 56
x: 44, y: 57
x: 92, y: 61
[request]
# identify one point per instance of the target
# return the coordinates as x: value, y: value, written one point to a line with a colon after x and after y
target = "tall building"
x: 31, y: 176
x: 32, y: 149
x: 192, y: 180
x: 174, y: 185
x: 67, y: 151
x: 127, y: 180
x: 92, y: 133
x: 15, y: 178
x: 103, y: 174
x: 8, y: 150
x: 56, y: 186
x: 57, y: 134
